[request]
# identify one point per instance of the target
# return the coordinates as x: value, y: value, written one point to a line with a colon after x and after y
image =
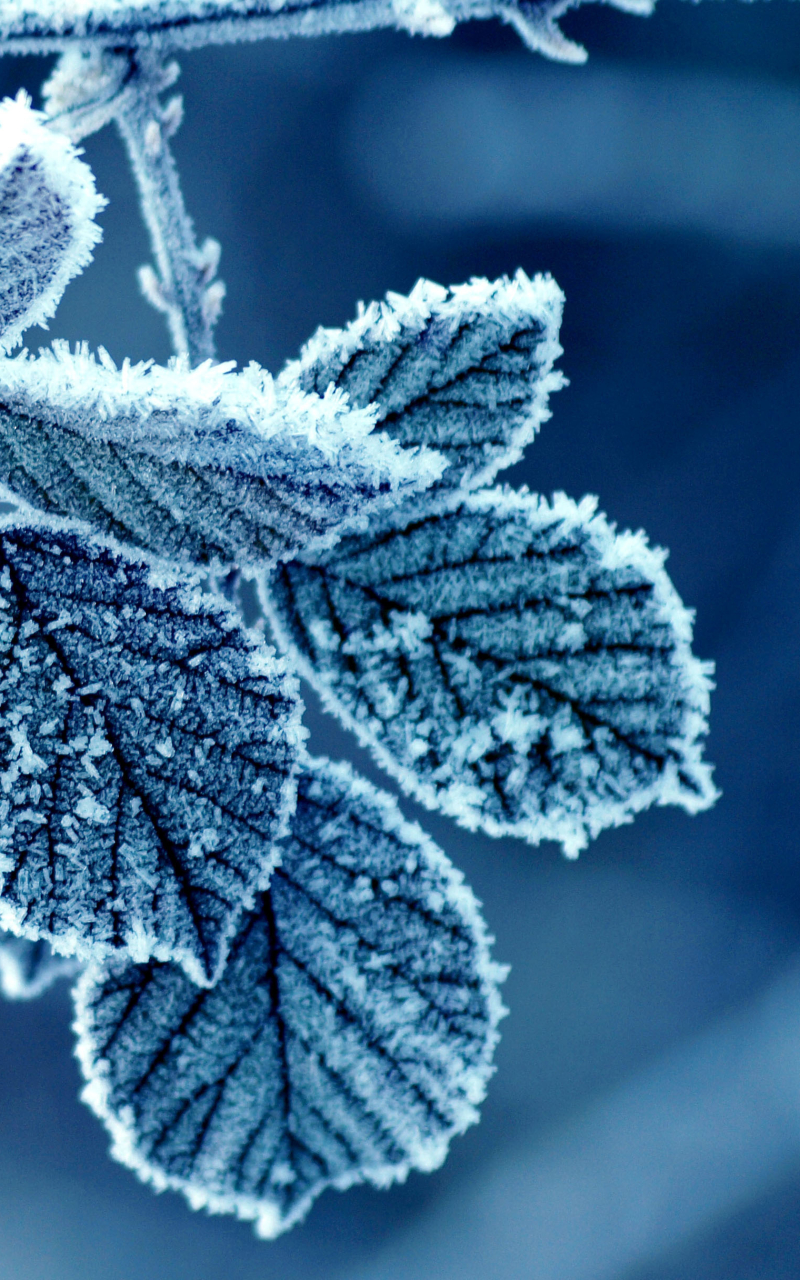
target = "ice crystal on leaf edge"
x: 48, y: 204
x: 198, y: 466
x: 150, y: 748
x: 510, y: 661
x: 349, y: 1038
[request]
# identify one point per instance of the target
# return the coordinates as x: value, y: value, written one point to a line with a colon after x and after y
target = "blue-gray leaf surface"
x: 349, y: 1038
x: 147, y: 754
x: 28, y: 969
x: 48, y: 204
x: 510, y: 661
x: 466, y: 371
x: 37, y: 26
x: 194, y: 465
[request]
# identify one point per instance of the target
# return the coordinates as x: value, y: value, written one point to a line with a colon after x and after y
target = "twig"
x: 87, y: 89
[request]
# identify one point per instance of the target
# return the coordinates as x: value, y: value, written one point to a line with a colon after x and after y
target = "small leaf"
x: 510, y: 661
x: 199, y: 466
x: 466, y: 371
x: 28, y: 26
x: 147, y: 754
x: 47, y: 206
x: 28, y: 969
x: 349, y: 1038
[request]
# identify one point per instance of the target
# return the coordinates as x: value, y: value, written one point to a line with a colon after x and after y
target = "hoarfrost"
x: 38, y: 26
x: 349, y: 1038
x: 48, y: 203
x: 511, y: 661
x: 107, y: 843
x: 466, y: 371
x: 196, y: 465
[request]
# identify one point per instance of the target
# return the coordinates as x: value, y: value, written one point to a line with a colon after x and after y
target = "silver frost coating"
x: 48, y: 204
x: 38, y: 26
x: 349, y: 1038
x: 196, y: 465
x: 466, y: 371
x: 513, y: 662
x: 148, y: 751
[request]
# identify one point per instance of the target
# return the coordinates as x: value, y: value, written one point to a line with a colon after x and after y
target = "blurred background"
x: 644, y: 1121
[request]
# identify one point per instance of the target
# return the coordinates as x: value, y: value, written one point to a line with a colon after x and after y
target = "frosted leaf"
x: 349, y: 1038
x: 47, y: 206
x: 466, y: 370
x: 196, y: 465
x: 38, y: 26
x: 28, y: 969
x: 513, y: 662
x: 147, y: 754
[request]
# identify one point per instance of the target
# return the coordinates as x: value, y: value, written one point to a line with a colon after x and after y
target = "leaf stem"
x: 183, y: 286
x: 89, y: 87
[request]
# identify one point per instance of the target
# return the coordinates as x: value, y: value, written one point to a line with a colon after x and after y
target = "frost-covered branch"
x: 92, y: 86
x: 184, y: 288
x: 288, y: 987
x: 30, y: 26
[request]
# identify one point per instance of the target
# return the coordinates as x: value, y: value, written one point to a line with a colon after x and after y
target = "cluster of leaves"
x: 284, y: 984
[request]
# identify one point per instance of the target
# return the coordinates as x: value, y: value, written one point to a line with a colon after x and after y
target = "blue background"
x: 644, y: 1121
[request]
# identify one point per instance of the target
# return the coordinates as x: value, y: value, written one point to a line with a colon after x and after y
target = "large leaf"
x: 510, y: 661
x: 48, y: 204
x: 147, y: 749
x: 349, y: 1038
x: 466, y: 371
x: 38, y: 26
x: 28, y: 969
x: 197, y: 465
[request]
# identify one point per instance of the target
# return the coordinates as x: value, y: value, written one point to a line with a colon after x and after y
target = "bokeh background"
x: 644, y: 1121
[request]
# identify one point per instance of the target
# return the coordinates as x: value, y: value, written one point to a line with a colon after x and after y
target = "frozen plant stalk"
x: 91, y: 86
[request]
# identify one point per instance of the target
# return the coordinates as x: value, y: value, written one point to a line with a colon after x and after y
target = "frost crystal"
x: 513, y: 662
x: 349, y: 1038
x: 196, y: 465
x: 38, y: 26
x: 47, y: 206
x: 466, y: 371
x: 28, y: 969
x: 147, y: 754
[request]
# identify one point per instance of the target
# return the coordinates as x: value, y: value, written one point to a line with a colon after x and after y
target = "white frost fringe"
x: 466, y: 1084
x: 451, y: 790
x: 74, y: 202
x: 207, y: 415
x: 507, y: 305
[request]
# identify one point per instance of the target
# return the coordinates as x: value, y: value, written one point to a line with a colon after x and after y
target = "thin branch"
x: 90, y: 87
x: 182, y: 288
